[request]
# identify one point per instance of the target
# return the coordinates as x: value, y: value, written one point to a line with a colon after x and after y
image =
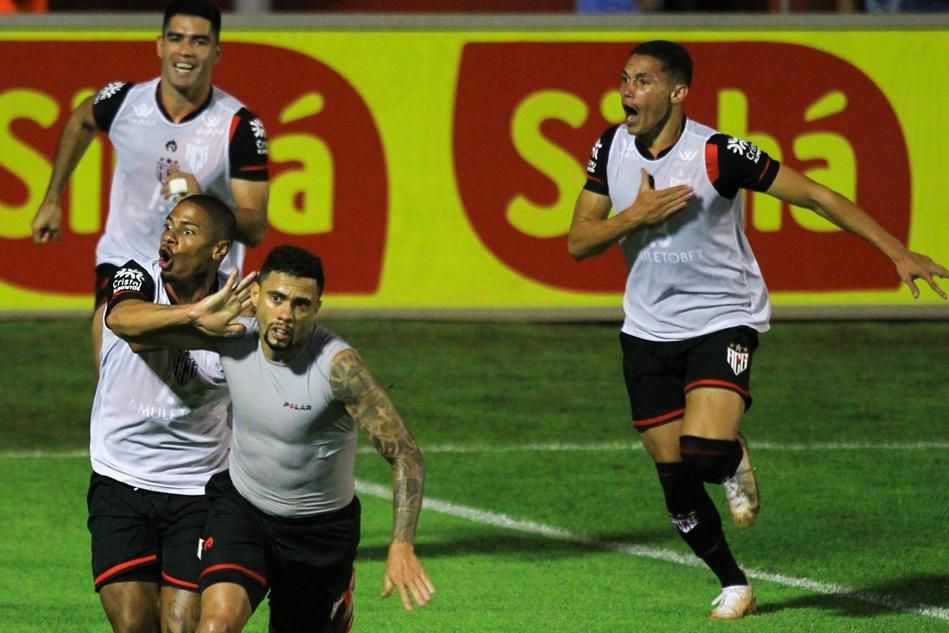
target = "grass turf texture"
x: 872, y: 519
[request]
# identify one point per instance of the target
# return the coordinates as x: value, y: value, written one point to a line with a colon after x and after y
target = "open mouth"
x: 631, y: 114
x: 165, y: 258
x: 184, y: 67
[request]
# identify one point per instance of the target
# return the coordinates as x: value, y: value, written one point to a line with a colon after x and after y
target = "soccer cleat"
x: 734, y: 602
x: 741, y: 490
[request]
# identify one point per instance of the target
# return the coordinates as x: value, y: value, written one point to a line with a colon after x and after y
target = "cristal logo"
x: 320, y: 197
x: 520, y: 174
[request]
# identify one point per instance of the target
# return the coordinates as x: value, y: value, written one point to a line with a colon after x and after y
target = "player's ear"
x: 255, y: 293
x: 220, y: 250
x: 679, y: 93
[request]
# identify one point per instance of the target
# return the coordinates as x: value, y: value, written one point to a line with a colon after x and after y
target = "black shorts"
x: 104, y: 273
x: 659, y: 374
x: 306, y: 563
x: 143, y: 535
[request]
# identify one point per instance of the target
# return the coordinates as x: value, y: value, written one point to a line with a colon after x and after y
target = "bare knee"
x: 179, y: 610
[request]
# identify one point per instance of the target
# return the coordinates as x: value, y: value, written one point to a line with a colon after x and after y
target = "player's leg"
x: 312, y: 584
x: 131, y: 607
x: 181, y: 526
x: 718, y: 394
x: 225, y: 606
x: 717, y: 385
x: 234, y: 558
x: 655, y: 378
x: 180, y: 610
x: 125, y: 559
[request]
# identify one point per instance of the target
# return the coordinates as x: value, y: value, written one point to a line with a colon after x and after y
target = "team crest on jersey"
x: 164, y: 167
x: 197, y: 157
x: 184, y: 367
x: 738, y: 357
x: 127, y: 280
x: 108, y: 91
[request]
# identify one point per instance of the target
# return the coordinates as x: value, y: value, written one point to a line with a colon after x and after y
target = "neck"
x: 664, y: 135
x: 179, y: 105
x: 190, y: 290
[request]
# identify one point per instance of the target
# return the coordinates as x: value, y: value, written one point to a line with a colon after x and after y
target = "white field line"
x: 553, y: 447
x: 559, y: 534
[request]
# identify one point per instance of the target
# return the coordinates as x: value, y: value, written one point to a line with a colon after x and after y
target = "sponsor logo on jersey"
x: 108, y: 91
x: 594, y: 156
x: 257, y: 127
x: 744, y: 148
x: 143, y: 110
x: 171, y: 146
x: 738, y: 357
x: 127, y: 280
x: 687, y: 155
x: 297, y: 407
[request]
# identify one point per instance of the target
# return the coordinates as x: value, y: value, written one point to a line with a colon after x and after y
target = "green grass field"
x: 542, y: 513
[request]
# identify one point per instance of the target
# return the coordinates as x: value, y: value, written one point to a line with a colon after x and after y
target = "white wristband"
x: 177, y: 186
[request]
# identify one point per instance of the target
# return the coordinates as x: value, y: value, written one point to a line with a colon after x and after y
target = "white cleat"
x: 734, y: 602
x: 741, y: 490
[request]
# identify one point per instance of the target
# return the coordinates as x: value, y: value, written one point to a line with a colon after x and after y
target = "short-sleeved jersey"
x: 294, y: 443
x: 160, y: 419
x: 220, y: 141
x: 695, y: 272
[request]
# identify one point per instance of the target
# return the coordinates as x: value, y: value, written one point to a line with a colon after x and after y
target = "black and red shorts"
x: 305, y: 563
x: 142, y: 535
x: 659, y: 374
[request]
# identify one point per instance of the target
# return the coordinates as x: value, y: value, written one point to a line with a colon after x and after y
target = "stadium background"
x: 433, y: 160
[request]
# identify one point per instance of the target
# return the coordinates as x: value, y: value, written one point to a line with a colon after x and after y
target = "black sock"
x: 713, y: 461
x: 698, y: 521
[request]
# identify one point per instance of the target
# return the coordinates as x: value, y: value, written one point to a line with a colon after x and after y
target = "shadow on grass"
x: 527, y: 546
x: 910, y: 593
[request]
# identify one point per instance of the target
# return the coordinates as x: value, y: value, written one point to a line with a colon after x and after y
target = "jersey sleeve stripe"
x: 711, y: 161
x: 235, y: 121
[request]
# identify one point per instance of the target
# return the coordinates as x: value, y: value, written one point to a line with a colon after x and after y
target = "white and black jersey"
x: 694, y: 273
x: 221, y: 140
x: 161, y: 419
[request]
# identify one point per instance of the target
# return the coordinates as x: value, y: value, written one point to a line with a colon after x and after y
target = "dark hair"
x: 294, y: 261
x: 675, y: 60
x: 200, y: 8
x: 222, y: 218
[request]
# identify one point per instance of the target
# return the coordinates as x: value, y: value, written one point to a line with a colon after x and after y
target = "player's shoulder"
x: 113, y: 91
x: 133, y: 276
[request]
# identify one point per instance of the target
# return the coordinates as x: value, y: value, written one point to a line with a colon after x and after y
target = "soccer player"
x: 285, y: 518
x: 695, y: 299
x: 174, y: 135
x: 160, y: 427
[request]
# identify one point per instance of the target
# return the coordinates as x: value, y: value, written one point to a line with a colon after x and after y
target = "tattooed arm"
x: 369, y: 405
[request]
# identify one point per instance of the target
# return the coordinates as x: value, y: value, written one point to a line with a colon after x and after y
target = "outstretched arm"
x: 797, y: 189
x: 366, y: 400
x: 592, y: 230
x: 186, y: 326
x: 75, y: 139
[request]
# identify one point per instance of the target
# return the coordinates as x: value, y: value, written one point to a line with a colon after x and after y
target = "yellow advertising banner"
x: 437, y: 169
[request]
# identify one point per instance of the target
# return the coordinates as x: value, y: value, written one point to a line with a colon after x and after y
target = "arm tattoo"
x: 369, y: 405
